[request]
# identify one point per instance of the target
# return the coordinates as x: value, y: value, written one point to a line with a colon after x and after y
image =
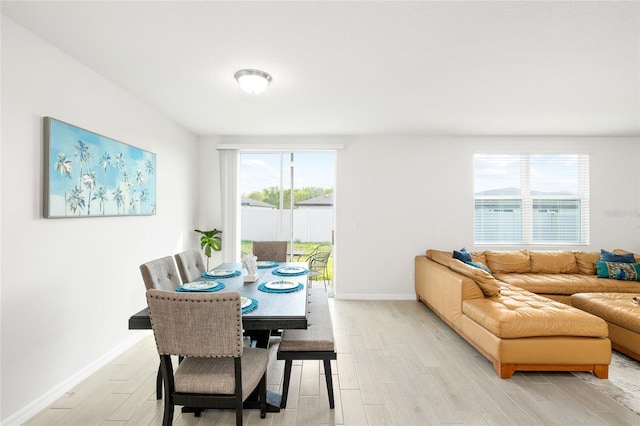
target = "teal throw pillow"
x: 480, y: 265
x: 618, y: 270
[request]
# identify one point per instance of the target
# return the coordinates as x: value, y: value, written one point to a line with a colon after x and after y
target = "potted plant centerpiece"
x: 210, y: 241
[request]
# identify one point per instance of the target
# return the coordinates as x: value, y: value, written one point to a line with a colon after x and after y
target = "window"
x: 531, y: 199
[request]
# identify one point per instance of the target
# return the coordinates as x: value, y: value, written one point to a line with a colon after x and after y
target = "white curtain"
x: 230, y: 198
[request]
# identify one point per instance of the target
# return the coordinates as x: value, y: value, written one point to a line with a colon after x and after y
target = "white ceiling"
x: 419, y: 68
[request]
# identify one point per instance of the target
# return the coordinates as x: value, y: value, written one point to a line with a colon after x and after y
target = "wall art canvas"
x: 89, y: 175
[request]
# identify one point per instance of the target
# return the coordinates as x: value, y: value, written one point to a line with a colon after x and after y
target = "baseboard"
x: 393, y: 296
x: 42, y: 402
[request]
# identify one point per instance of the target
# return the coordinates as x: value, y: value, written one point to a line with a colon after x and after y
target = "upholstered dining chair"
x: 191, y: 265
x: 217, y: 371
x: 160, y: 274
x: 270, y: 250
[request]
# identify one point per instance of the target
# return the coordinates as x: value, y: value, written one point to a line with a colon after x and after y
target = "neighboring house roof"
x: 323, y: 200
x: 250, y: 202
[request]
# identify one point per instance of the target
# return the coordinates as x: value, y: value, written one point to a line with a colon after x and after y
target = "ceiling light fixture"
x: 253, y: 81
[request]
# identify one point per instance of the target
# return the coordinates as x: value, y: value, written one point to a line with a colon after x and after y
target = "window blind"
x: 531, y: 199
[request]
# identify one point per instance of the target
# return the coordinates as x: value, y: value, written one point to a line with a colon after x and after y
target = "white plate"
x: 290, y: 270
x: 245, y: 301
x: 266, y: 263
x: 221, y: 272
x: 281, y: 285
x: 200, y: 285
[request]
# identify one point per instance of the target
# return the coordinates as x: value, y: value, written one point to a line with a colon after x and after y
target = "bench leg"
x: 285, y: 385
x: 329, y: 379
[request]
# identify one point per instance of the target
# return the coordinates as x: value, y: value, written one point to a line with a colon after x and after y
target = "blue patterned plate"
x: 291, y: 270
x: 248, y: 305
x: 200, y: 285
x: 281, y: 285
x: 220, y: 273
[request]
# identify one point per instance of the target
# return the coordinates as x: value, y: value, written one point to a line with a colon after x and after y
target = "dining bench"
x: 316, y: 342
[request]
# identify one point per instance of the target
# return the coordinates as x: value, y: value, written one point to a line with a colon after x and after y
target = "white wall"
x: 397, y: 196
x: 70, y: 285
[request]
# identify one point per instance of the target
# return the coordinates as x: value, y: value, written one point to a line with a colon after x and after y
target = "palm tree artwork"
x: 101, y: 196
x: 63, y: 165
x: 76, y: 200
x: 105, y: 161
x: 118, y: 197
x: 111, y: 178
x: 89, y: 180
x: 82, y: 154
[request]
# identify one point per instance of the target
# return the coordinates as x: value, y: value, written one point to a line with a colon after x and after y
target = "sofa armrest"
x: 443, y: 290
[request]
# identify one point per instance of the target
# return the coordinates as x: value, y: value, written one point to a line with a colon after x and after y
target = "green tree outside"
x: 271, y: 195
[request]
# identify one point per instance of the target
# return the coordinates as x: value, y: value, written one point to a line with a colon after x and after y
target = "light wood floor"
x: 397, y: 364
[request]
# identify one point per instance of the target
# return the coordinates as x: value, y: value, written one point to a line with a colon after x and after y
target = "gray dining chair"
x: 270, y: 250
x: 217, y: 371
x: 160, y: 274
x: 191, y: 265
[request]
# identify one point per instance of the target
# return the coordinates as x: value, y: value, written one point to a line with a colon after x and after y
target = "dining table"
x: 278, y: 301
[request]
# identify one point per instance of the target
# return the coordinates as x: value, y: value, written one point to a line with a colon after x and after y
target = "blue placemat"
x: 251, y: 307
x: 235, y: 274
x: 219, y: 287
x: 280, y: 274
x: 266, y: 264
x: 263, y: 287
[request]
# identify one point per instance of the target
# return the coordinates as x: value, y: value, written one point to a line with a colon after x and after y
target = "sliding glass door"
x: 289, y: 196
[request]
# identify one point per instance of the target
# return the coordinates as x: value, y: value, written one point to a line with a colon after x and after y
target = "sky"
x: 311, y: 169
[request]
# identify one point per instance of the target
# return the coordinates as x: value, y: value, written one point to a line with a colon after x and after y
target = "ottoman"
x: 621, y: 314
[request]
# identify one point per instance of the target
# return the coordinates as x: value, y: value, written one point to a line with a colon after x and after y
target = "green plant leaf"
x: 210, y: 241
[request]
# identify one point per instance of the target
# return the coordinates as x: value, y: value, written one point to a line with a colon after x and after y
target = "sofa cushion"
x: 507, y: 262
x: 485, y: 281
x: 607, y: 256
x: 441, y: 257
x: 586, y: 261
x: 618, y: 270
x: 478, y: 256
x: 616, y: 308
x: 518, y: 313
x: 567, y: 284
x: 553, y: 262
x: 462, y: 255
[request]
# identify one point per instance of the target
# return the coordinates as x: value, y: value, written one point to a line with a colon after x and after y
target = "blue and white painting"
x: 87, y: 174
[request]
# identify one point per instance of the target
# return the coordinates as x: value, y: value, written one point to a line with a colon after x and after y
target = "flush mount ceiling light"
x: 253, y: 81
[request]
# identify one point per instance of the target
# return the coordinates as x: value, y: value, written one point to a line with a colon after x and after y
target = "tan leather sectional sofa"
x: 519, y: 316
